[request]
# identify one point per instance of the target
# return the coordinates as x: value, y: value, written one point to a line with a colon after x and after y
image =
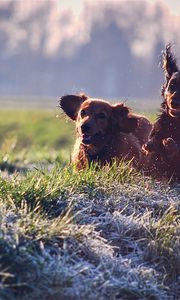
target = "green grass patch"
x: 43, y: 128
x: 45, y: 187
x: 29, y: 136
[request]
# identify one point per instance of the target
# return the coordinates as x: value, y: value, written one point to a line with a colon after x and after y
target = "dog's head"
x: 171, y: 88
x: 97, y: 120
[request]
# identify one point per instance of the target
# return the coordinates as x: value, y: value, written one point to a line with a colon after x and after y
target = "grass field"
x: 98, y: 234
x: 32, y: 136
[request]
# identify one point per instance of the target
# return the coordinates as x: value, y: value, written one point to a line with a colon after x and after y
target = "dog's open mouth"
x: 91, y: 139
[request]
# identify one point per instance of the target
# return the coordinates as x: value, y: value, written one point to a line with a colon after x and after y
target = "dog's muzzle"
x: 88, y: 139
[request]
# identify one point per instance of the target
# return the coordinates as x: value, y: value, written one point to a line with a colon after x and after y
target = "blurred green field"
x: 32, y: 136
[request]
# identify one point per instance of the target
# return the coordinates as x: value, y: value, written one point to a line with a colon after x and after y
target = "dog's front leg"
x: 151, y: 146
x: 171, y: 148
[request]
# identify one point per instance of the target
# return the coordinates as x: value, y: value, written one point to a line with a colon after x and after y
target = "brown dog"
x: 163, y: 147
x: 104, y: 131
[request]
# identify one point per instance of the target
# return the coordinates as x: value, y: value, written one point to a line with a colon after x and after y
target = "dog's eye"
x: 83, y: 113
x: 101, y: 116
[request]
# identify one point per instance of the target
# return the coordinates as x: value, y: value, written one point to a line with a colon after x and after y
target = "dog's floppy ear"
x: 124, y: 121
x: 169, y: 64
x: 70, y: 104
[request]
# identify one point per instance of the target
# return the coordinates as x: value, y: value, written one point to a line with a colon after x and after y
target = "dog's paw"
x: 170, y: 146
x: 144, y: 149
x: 148, y: 147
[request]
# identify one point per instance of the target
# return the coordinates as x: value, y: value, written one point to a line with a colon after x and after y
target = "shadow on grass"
x: 12, y: 168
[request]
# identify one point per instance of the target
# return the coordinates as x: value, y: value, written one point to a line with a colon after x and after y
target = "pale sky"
x: 77, y: 5
x: 174, y: 5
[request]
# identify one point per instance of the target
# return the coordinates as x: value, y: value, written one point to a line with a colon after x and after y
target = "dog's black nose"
x: 85, y: 128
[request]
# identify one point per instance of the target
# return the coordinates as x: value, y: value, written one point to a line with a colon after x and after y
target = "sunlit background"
x: 105, y: 48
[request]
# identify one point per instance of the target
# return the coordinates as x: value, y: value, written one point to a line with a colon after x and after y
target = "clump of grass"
x: 49, y: 188
x: 164, y: 246
x: 45, y: 240
x: 27, y: 241
x: 85, y: 235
